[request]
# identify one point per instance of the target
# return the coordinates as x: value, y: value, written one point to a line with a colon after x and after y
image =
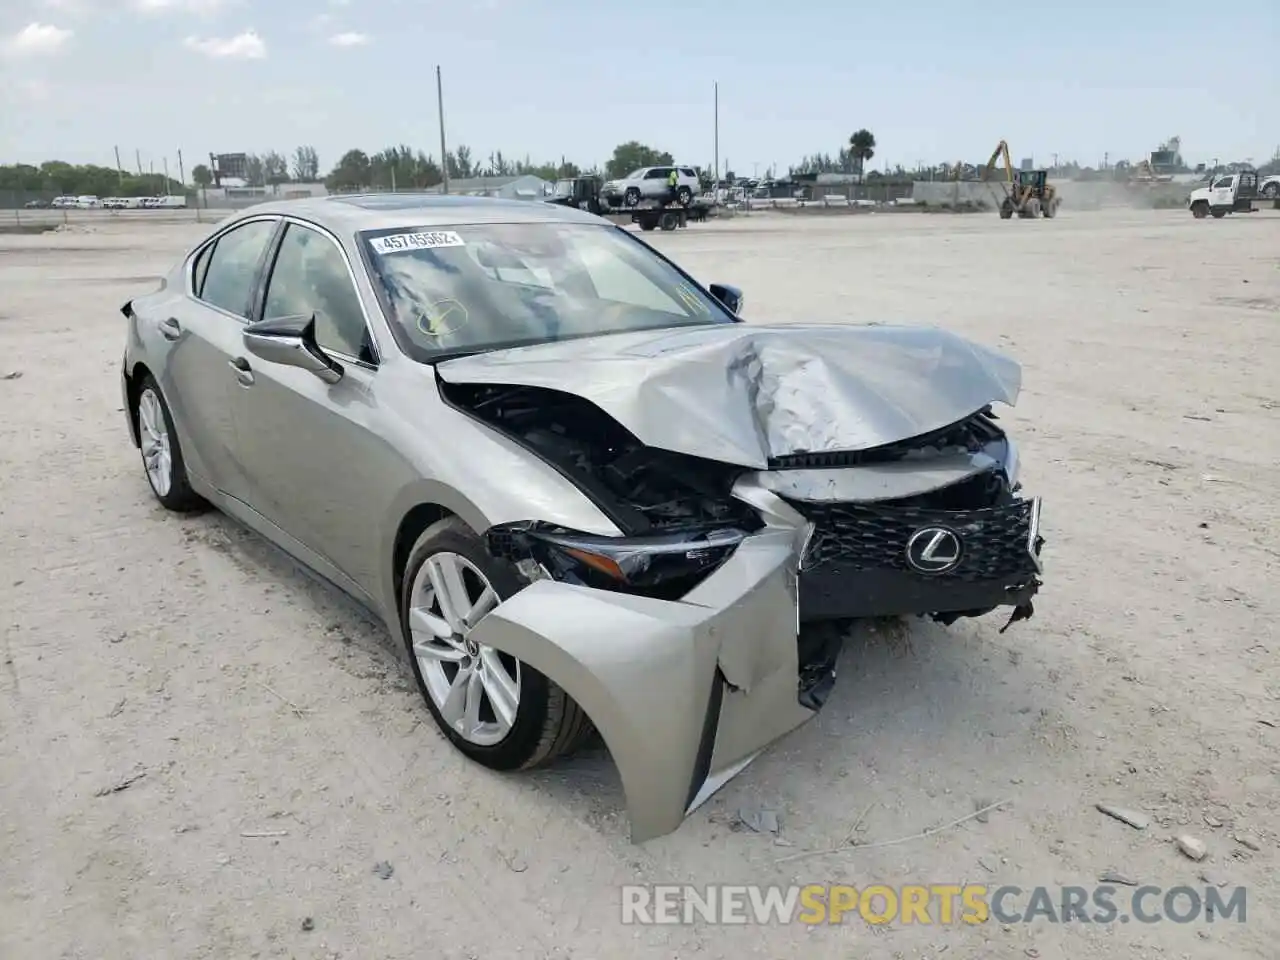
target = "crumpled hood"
x: 745, y: 394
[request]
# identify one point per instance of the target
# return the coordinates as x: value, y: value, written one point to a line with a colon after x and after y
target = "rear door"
x: 655, y: 182
x: 204, y: 326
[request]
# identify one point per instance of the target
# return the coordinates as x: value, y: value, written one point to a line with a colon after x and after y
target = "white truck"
x: 1233, y: 193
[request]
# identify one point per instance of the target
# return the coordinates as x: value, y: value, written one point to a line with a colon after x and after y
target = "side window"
x: 688, y: 172
x: 656, y: 173
x: 200, y: 268
x: 233, y: 266
x: 310, y: 278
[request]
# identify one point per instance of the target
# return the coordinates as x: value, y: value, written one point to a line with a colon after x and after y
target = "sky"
x: 552, y: 78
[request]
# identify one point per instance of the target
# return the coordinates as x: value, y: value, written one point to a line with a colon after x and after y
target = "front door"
x: 1222, y: 192
x: 308, y: 449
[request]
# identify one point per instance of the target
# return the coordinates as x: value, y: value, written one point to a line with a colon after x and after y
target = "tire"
x: 631, y: 197
x: 669, y: 221
x: 547, y: 722
x: 162, y: 460
x: 1271, y: 191
x: 1051, y: 208
x: 684, y: 196
x: 1006, y: 210
x: 648, y: 224
x: 1200, y: 209
x: 1218, y: 212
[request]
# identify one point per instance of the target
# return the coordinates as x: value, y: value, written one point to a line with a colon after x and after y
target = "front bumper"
x: 685, y: 693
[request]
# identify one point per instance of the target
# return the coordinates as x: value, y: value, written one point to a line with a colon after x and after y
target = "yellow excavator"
x: 1027, y: 193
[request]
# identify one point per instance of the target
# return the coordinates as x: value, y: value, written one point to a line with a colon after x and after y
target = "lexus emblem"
x: 934, y: 550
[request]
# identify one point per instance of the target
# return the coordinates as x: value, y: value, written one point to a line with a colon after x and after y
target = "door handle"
x: 170, y: 329
x: 244, y: 372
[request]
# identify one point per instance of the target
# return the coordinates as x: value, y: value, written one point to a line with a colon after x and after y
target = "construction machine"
x: 1027, y: 193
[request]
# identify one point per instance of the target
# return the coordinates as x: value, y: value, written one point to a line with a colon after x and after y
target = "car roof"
x: 348, y: 213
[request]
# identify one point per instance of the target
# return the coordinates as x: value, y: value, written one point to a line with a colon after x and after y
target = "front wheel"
x: 498, y: 711
x: 161, y: 453
x: 631, y: 197
x: 1200, y: 209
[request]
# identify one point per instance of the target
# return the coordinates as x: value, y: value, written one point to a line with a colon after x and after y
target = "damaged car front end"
x: 711, y: 625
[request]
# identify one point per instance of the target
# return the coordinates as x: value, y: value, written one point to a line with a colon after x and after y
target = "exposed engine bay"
x: 642, y: 489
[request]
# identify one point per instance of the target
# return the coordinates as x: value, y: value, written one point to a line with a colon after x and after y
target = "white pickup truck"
x: 1232, y: 193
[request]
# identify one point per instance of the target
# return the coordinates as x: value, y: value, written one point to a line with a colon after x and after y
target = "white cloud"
x: 37, y: 40
x: 184, y: 6
x: 350, y: 39
x: 243, y: 46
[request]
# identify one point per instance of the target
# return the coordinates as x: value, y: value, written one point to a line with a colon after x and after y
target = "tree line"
x: 394, y: 167
x: 402, y: 167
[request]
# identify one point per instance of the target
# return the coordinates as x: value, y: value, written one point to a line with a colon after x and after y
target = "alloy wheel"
x: 157, y: 455
x: 475, y: 688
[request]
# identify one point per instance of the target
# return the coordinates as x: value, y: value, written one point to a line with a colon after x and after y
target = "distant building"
x: 526, y: 187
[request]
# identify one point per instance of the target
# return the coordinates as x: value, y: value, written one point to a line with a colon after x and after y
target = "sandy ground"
x: 253, y: 701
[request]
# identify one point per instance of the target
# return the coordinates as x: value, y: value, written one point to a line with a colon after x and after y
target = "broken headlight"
x: 665, y: 566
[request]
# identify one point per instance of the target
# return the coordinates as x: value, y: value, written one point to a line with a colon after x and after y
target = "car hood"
x: 745, y: 394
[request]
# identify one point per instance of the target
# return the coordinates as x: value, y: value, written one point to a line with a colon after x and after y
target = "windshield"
x: 483, y: 287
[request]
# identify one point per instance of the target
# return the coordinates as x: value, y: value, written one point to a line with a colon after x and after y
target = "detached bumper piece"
x: 894, y: 558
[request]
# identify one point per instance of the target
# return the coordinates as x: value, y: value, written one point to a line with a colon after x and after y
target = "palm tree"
x: 862, y: 146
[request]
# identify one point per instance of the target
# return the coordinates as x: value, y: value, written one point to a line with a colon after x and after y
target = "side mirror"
x: 291, y: 341
x: 731, y: 297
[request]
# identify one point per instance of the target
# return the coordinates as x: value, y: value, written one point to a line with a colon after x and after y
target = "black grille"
x: 859, y: 536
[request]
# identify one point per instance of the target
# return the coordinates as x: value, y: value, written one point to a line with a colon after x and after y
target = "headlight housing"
x: 1012, y: 465
x: 664, y: 566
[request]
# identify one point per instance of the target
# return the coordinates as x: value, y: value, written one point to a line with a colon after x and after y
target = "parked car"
x: 88, y: 202
x: 36, y: 204
x: 651, y: 183
x: 569, y: 478
x: 63, y: 202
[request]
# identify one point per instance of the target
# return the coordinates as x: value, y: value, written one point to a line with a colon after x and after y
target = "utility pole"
x: 166, y: 176
x: 444, y: 154
x: 715, y: 187
x: 182, y: 173
x: 137, y: 155
x: 119, y: 169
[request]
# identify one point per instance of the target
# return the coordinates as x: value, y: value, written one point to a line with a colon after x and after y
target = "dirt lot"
x: 283, y: 752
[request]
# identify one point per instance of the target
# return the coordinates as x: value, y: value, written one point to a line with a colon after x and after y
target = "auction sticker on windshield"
x: 400, y: 242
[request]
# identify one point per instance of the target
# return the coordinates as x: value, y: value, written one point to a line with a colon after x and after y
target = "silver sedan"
x: 578, y: 487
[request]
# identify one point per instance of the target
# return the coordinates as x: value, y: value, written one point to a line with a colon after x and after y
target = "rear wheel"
x: 684, y: 196
x: 1271, y: 191
x: 161, y: 453
x: 498, y: 711
x: 631, y: 197
x: 1218, y: 212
